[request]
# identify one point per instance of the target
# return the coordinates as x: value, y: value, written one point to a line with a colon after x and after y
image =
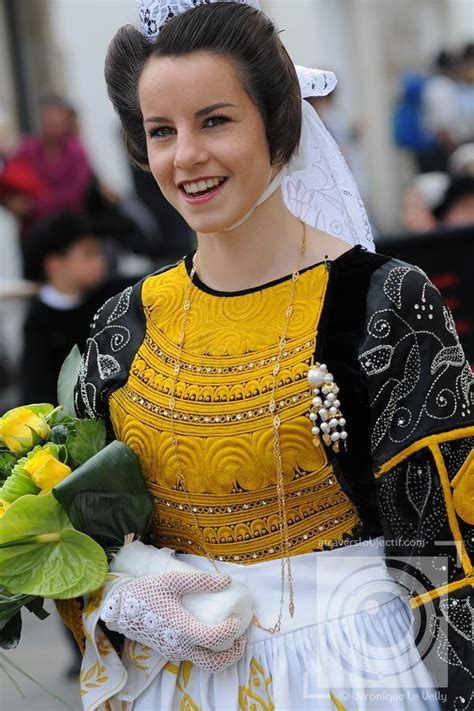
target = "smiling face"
x: 206, y: 139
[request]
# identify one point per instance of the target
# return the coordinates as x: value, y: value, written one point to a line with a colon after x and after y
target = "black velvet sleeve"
x: 117, y: 330
x: 421, y: 401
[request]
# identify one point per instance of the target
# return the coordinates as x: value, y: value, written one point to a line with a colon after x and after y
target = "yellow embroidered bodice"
x: 222, y: 419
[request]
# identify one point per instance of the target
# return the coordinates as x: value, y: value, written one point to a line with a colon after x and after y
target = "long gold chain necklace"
x: 285, y: 560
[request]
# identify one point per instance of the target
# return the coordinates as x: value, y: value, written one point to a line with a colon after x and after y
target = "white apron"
x: 348, y: 647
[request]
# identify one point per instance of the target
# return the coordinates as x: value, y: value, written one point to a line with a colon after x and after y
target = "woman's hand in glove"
x: 149, y: 610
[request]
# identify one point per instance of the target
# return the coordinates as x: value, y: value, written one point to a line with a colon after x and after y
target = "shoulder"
x: 406, y: 295
x: 418, y: 378
x: 358, y: 259
x: 117, y: 331
x: 165, y: 281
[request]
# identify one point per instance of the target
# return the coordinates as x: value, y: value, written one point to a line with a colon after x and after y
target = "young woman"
x: 301, y: 406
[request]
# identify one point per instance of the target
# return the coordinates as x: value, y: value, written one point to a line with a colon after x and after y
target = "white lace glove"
x: 150, y: 611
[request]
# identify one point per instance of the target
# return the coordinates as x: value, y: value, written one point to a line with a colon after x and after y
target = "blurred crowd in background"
x: 434, y: 122
x: 75, y: 238
x: 75, y: 234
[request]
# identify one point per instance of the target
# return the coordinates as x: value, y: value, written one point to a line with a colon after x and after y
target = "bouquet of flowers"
x: 68, y: 500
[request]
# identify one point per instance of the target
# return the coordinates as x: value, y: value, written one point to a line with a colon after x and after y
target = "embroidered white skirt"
x: 348, y: 647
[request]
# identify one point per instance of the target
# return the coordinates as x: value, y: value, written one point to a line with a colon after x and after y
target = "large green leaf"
x: 89, y: 438
x: 42, y: 554
x: 106, y: 497
x: 67, y: 380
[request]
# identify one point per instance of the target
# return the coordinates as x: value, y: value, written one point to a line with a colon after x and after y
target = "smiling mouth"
x: 201, y: 187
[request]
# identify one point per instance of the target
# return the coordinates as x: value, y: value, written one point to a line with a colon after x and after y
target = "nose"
x: 189, y: 150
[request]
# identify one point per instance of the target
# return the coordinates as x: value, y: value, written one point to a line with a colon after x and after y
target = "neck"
x: 264, y: 248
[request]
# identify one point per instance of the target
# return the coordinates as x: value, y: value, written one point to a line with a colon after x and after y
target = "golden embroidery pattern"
x: 93, y: 677
x: 138, y: 655
x: 257, y: 695
x: 229, y: 355
x: 182, y: 673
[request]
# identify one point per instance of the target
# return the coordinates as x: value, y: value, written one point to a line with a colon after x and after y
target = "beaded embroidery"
x: 411, y: 326
x: 225, y: 380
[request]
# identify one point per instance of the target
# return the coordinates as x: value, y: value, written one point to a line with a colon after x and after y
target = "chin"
x: 210, y: 224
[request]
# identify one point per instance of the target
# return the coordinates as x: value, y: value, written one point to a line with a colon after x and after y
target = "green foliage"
x: 88, y: 439
x: 67, y: 381
x: 18, y: 484
x: 51, y: 559
x: 106, y: 497
x: 7, y: 462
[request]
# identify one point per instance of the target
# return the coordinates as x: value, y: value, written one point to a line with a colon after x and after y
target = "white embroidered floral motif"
x: 154, y: 14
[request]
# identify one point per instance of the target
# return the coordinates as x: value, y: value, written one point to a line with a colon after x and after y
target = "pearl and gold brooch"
x: 325, y: 414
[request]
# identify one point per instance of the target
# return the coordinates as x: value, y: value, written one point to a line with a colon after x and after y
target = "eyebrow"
x: 198, y: 114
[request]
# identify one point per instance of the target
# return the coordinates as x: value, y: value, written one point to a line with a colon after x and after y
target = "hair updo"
x: 237, y: 31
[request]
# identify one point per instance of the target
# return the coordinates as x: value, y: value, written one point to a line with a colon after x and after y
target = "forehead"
x: 194, y: 80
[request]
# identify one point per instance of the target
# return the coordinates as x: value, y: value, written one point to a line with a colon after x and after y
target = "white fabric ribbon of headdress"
x: 317, y: 185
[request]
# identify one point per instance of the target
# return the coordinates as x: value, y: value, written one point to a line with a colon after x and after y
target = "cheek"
x: 161, y: 165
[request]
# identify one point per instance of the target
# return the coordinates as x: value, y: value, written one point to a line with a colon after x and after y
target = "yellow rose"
x: 45, y: 470
x: 3, y: 506
x: 18, y: 428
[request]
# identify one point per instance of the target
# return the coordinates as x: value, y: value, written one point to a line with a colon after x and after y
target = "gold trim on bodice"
x: 222, y: 420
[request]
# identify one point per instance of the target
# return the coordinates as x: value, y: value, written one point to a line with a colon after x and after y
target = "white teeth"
x: 191, y: 187
x: 197, y: 187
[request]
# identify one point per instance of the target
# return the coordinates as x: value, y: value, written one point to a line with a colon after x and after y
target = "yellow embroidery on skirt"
x: 256, y: 696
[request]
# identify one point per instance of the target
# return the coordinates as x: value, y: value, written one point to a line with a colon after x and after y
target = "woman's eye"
x: 213, y: 121
x: 160, y: 132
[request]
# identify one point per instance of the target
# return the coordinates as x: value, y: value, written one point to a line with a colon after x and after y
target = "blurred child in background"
x: 65, y: 256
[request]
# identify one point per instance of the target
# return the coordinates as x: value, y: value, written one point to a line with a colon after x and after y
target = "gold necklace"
x: 285, y: 560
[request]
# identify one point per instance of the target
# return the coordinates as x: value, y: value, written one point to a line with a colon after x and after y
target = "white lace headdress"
x: 317, y: 185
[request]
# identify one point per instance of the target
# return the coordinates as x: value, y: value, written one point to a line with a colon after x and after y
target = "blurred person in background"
x: 435, y: 112
x: 7, y: 140
x: 456, y: 208
x: 465, y: 75
x: 461, y: 161
x: 420, y: 198
x: 49, y: 172
x: 441, y: 111
x: 70, y: 266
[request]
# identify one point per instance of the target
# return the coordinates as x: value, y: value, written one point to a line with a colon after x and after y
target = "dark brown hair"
x: 237, y: 31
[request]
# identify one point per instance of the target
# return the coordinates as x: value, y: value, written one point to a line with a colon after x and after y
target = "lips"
x: 201, y: 190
